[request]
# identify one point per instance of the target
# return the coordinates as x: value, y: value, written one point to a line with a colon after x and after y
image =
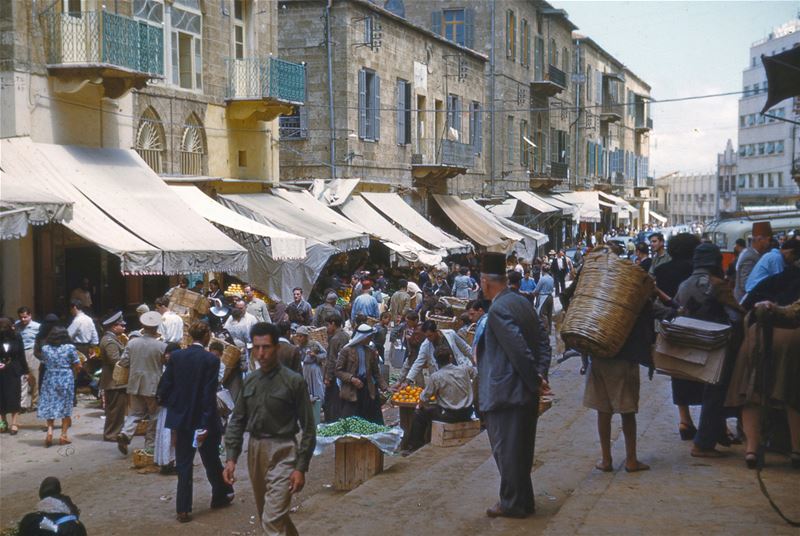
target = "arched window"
x: 150, y: 140
x: 192, y: 147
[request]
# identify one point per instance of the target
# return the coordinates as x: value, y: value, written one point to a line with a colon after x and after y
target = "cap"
x: 331, y: 297
x: 706, y: 255
x: 762, y: 228
x: 150, y: 319
x: 365, y: 329
x: 113, y: 319
x: 142, y: 309
x: 493, y: 264
x: 303, y: 330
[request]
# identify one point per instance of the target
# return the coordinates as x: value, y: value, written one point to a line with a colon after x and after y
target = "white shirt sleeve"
x: 424, y: 356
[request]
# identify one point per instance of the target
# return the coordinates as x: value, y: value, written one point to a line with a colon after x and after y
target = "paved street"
x: 442, y: 491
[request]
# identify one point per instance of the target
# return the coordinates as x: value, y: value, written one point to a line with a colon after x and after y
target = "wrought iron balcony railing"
x: 556, y: 75
x: 88, y: 38
x: 444, y: 153
x: 266, y: 78
x: 559, y: 170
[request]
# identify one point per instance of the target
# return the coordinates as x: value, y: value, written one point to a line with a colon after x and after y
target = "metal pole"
x: 491, y: 102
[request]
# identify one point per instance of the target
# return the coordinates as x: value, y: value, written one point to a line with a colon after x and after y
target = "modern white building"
x: 687, y: 198
x: 726, y: 180
x: 768, y: 147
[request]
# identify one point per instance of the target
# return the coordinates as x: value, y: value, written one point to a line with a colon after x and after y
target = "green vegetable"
x: 350, y: 425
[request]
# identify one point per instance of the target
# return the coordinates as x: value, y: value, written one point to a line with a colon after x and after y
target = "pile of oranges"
x: 407, y: 395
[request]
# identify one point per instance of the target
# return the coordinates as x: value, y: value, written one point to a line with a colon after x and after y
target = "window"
x: 150, y: 140
x: 746, y: 91
x: 368, y: 30
x: 524, y: 148
x: 565, y: 62
x: 510, y: 140
x: 751, y: 120
x: 589, y: 75
x: 760, y: 180
x: 770, y: 147
x: 779, y: 147
x: 750, y: 149
x: 475, y: 127
x: 559, y: 146
x: 369, y: 103
x: 770, y: 181
x: 403, y: 112
x: 454, y: 113
x: 742, y: 181
x: 760, y: 119
x: 525, y: 43
x: 779, y: 179
x: 186, y: 49
x: 295, y: 125
x: 192, y: 148
x: 511, y: 35
x: 454, y: 27
x: 761, y: 148
x: 753, y: 61
x: 239, y: 39
x: 552, y: 53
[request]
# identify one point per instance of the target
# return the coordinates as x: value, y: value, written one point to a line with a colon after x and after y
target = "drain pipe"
x: 491, y: 104
x: 332, y: 121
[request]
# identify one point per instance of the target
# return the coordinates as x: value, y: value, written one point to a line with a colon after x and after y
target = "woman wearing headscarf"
x: 312, y: 356
x: 13, y: 367
x: 61, y: 362
x: 55, y: 513
x: 669, y: 277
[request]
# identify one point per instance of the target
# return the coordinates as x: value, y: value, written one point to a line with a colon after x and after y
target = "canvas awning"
x: 42, y: 207
x: 279, y: 245
x: 529, y: 240
x: 360, y: 212
x: 658, y: 217
x: 534, y: 201
x: 620, y: 204
x: 14, y: 223
x: 22, y: 160
x: 402, y: 214
x: 587, y: 204
x: 480, y: 230
x: 505, y: 209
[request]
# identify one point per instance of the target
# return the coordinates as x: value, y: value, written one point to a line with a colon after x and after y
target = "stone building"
x: 389, y: 102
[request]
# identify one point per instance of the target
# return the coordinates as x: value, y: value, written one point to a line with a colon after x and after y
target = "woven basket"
x: 320, y: 335
x: 120, y: 374
x: 141, y: 427
x: 444, y: 322
x: 230, y: 355
x: 610, y: 295
x: 459, y: 305
x: 142, y: 459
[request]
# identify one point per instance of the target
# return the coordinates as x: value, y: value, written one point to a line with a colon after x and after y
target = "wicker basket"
x: 320, y: 335
x: 444, y: 322
x: 372, y: 320
x: 141, y: 427
x: 469, y: 336
x: 120, y: 374
x: 230, y: 355
x: 142, y: 459
x: 459, y: 305
x: 190, y: 299
x: 610, y: 295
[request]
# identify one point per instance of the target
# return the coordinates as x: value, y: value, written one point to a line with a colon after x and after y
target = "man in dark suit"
x: 188, y: 389
x: 513, y: 357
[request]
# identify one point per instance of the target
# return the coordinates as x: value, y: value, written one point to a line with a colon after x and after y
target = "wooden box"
x: 189, y: 299
x: 357, y: 460
x: 447, y: 434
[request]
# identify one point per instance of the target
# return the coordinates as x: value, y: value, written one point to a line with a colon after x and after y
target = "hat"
x: 142, y: 309
x: 303, y: 330
x: 551, y: 252
x: 762, y: 228
x: 331, y: 297
x: 493, y: 264
x: 113, y: 319
x: 218, y: 309
x: 362, y: 332
x: 150, y: 319
x: 706, y: 255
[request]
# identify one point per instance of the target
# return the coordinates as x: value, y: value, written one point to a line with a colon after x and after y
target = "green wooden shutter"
x: 362, y: 104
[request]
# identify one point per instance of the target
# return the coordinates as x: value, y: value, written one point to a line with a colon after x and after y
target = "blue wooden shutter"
x: 478, y: 129
x: 436, y: 22
x: 401, y: 113
x: 376, y: 107
x: 469, y: 27
x: 457, y: 118
x: 362, y: 104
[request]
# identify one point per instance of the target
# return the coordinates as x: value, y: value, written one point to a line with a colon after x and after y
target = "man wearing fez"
x: 759, y: 244
x: 513, y: 354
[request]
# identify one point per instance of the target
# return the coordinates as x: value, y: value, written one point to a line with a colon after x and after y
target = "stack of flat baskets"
x: 459, y: 305
x: 610, y: 295
x: 444, y: 322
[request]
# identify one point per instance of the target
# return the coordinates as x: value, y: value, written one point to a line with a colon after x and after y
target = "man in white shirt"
x: 256, y: 306
x: 81, y: 330
x: 240, y: 322
x: 171, y: 328
x: 436, y: 339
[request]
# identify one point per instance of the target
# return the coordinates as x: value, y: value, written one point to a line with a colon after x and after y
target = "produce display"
x: 234, y: 289
x: 408, y: 395
x: 351, y: 425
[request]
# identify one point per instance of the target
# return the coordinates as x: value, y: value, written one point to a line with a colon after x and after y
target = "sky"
x: 683, y: 49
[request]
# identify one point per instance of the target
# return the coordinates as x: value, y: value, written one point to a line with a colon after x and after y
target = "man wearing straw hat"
x: 513, y: 353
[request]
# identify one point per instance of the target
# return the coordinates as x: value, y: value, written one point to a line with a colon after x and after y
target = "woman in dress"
x: 13, y: 366
x: 61, y: 364
x: 312, y: 356
x: 164, y: 447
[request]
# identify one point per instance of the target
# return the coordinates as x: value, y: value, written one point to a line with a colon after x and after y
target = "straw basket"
x: 444, y: 322
x: 230, y: 355
x: 610, y: 295
x: 320, y: 335
x: 142, y: 459
x: 459, y: 305
x: 120, y: 374
x: 141, y: 427
x: 372, y: 320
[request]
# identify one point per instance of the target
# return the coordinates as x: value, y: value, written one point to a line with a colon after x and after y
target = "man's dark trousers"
x: 209, y: 454
x: 512, y: 435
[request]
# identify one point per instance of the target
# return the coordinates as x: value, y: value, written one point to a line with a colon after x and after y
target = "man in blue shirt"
x: 28, y: 329
x: 364, y: 304
x: 527, y: 285
x: 773, y: 262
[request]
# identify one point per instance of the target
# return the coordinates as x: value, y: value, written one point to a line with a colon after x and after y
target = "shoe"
x: 687, y: 431
x: 751, y: 460
x: 64, y: 440
x: 14, y: 430
x: 122, y: 444
x: 697, y: 452
x: 222, y: 502
x: 497, y: 511
x: 168, y: 469
x: 184, y: 517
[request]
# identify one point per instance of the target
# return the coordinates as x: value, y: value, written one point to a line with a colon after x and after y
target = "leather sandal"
x: 14, y: 430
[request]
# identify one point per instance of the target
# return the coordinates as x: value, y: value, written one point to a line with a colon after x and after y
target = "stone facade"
x: 395, y: 52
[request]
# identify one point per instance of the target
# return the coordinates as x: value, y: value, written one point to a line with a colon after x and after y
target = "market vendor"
x: 447, y: 397
x: 357, y: 370
x: 438, y: 340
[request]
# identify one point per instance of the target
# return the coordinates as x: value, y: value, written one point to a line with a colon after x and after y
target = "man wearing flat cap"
x: 111, y: 349
x: 513, y: 353
x: 357, y: 369
x: 759, y: 244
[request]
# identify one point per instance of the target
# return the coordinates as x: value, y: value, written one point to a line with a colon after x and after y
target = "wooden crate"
x: 189, y: 299
x: 357, y: 460
x: 447, y: 434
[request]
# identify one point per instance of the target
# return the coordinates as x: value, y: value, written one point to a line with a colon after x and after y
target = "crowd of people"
x: 491, y: 361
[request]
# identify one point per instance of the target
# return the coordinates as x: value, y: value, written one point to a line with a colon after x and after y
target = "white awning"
x: 14, y: 223
x: 529, y: 239
x: 402, y: 214
x: 480, y: 230
x: 308, y: 204
x: 16, y: 191
x: 587, y: 204
x: 360, y: 212
x: 292, y: 219
x: 338, y: 191
x: 658, y: 217
x: 620, y: 203
x: 534, y: 201
x: 280, y: 245
x: 23, y: 159
x: 505, y: 209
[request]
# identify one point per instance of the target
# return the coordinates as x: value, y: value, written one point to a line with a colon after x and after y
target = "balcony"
x: 264, y: 88
x: 559, y: 170
x: 97, y: 47
x: 442, y: 160
x: 610, y: 112
x: 644, y: 125
x: 553, y: 83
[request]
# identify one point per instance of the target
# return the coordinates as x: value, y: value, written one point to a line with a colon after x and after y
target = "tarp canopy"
x: 534, y: 201
x: 480, y: 230
x: 587, y: 204
x: 658, y: 217
x: 506, y: 209
x: 402, y: 214
x: 278, y: 244
x: 14, y: 223
x: 22, y: 159
x: 527, y: 243
x: 620, y: 204
x: 360, y: 212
